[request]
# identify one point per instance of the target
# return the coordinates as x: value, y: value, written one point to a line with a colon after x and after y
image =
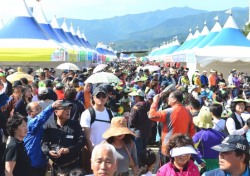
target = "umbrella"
x: 102, y: 77
x: 152, y: 68
x: 67, y: 66
x: 99, y: 68
x: 18, y: 75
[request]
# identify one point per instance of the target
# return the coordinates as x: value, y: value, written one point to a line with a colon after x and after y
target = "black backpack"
x: 93, y: 116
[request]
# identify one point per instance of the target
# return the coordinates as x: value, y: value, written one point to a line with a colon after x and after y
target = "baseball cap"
x: 65, y: 103
x: 231, y: 143
x: 99, y: 90
x: 43, y: 91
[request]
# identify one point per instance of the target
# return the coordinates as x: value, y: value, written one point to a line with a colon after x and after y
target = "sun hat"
x: 118, y: 127
x: 127, y: 90
x: 59, y: 85
x: 182, y: 151
x: 204, y: 118
x: 238, y: 100
x: 140, y: 79
x: 137, y: 93
x: 2, y: 74
x: 231, y: 143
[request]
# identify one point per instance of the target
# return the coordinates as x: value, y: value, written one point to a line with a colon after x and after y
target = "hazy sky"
x: 99, y: 9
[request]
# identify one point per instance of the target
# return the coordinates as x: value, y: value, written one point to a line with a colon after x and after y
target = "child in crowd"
x: 148, y: 159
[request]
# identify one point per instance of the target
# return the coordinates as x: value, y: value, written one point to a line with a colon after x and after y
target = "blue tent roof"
x: 230, y: 35
x: 215, y: 30
x: 187, y: 42
x: 23, y: 27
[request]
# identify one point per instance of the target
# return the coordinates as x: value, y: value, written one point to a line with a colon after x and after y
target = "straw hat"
x: 118, y: 127
x: 204, y: 118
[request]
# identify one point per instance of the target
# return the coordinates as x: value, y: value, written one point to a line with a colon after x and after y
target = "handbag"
x: 131, y: 161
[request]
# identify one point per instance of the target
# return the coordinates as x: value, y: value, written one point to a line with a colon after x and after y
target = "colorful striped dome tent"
x: 23, y: 40
x: 203, y: 35
x: 229, y: 45
x: 62, y: 34
x: 83, y: 54
x: 212, y: 34
x: 43, y: 22
x: 91, y: 52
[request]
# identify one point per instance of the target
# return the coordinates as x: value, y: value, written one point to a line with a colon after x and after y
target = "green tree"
x: 246, y: 29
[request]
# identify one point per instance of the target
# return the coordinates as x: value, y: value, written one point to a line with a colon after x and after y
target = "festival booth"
x: 229, y: 49
x: 43, y: 23
x: 24, y: 43
x: 221, y: 49
x: 106, y: 54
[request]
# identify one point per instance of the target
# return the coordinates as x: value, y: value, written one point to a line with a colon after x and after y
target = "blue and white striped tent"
x: 43, y: 22
x: 229, y: 45
x: 212, y: 34
x: 22, y: 39
x: 199, y: 39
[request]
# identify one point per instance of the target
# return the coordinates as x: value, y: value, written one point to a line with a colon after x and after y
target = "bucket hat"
x: 204, y: 118
x: 137, y: 93
x: 118, y: 127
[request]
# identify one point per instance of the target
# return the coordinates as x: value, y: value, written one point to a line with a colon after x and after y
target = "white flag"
x: 229, y: 11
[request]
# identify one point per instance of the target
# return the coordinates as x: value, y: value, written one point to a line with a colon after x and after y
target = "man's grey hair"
x: 106, y: 146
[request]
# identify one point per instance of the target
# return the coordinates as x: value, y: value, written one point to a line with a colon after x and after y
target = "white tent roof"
x: 24, y: 32
x: 229, y: 45
x: 42, y: 20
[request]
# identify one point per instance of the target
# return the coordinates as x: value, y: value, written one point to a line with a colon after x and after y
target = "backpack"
x: 93, y: 116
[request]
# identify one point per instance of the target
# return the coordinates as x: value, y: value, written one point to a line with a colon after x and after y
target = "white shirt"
x: 230, y: 79
x: 97, y: 128
x: 230, y: 124
x: 149, y: 173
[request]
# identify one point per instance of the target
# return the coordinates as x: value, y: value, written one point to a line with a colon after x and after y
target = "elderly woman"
x: 206, y: 138
x: 120, y: 137
x: 179, y: 149
x: 17, y: 162
x: 235, y: 124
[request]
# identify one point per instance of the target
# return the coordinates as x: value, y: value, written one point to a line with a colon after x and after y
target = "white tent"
x: 24, y: 42
x: 230, y: 45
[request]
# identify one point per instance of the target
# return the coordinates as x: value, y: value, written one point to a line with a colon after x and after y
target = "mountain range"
x: 147, y: 30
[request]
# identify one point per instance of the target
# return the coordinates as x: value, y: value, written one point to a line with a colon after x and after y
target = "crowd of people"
x: 62, y: 124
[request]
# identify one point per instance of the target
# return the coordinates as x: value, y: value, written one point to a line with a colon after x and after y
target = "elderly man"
x: 176, y: 119
x: 63, y: 140
x: 104, y: 160
x: 32, y: 141
x: 233, y: 158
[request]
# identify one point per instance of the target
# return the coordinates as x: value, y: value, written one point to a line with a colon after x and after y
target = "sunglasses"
x: 101, y: 96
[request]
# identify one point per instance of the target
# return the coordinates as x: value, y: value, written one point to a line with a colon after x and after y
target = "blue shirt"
x: 246, y: 173
x: 32, y: 140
